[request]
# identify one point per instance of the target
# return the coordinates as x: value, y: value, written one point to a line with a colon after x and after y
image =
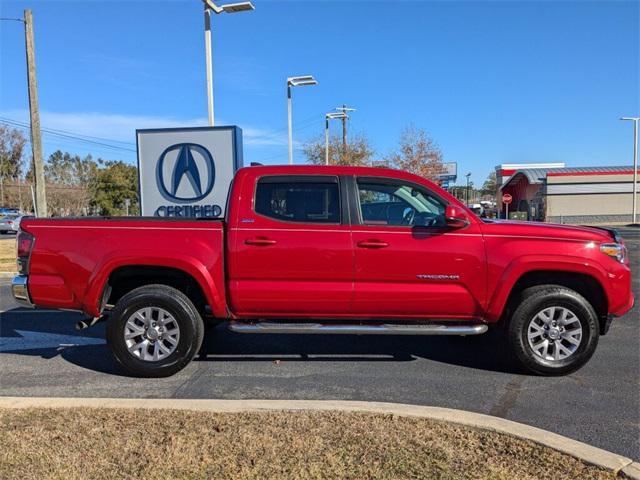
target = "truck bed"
x: 73, y: 258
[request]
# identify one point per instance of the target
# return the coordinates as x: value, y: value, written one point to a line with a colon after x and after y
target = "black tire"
x: 536, y: 299
x: 185, y: 314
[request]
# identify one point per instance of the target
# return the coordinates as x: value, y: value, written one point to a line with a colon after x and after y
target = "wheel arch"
x: 586, y: 285
x: 193, y: 280
x: 582, y: 275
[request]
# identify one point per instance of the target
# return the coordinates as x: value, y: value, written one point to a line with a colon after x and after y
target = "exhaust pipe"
x: 89, y: 322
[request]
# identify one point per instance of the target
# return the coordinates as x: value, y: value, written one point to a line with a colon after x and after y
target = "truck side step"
x: 355, y: 329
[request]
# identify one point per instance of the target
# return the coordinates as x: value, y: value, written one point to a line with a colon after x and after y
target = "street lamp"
x: 327, y: 117
x: 468, y: 175
x: 301, y: 81
x: 635, y: 164
x: 209, y: 7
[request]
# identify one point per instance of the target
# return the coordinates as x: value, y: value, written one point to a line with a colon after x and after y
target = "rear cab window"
x: 301, y: 199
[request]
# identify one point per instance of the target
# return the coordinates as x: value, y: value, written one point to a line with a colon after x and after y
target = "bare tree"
x: 417, y: 153
x: 358, y: 152
x: 12, y: 143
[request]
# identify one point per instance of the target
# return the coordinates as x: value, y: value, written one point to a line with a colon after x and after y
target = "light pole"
x: 300, y: 81
x: 327, y: 117
x: 209, y: 7
x: 635, y: 164
x: 468, y: 175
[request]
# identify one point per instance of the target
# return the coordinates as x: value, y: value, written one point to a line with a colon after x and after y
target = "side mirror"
x: 455, y: 217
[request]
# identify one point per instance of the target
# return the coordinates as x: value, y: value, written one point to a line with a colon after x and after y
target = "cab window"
x: 304, y: 200
x: 399, y: 204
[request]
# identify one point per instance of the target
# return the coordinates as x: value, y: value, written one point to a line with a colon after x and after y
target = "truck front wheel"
x: 154, y: 331
x: 554, y: 330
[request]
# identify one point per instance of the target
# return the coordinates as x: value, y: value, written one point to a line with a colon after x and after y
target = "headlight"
x: 615, y: 250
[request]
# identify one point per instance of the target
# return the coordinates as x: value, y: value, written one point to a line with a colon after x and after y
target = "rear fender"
x: 213, y: 289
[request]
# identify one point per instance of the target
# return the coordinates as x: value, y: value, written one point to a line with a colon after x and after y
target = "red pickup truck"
x: 339, y: 250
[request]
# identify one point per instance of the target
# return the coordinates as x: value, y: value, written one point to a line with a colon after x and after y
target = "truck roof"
x: 331, y: 170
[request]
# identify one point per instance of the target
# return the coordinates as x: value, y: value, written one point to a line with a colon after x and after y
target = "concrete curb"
x: 631, y: 471
x: 587, y: 453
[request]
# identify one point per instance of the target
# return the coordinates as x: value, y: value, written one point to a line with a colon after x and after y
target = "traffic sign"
x: 507, y: 198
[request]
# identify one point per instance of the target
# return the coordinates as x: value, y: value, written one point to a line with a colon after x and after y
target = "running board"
x: 380, y: 329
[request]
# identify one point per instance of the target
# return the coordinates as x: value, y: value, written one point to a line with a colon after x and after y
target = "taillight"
x: 25, y: 245
x: 10, y: 222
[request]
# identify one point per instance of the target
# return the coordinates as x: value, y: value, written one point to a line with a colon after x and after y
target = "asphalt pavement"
x: 41, y: 354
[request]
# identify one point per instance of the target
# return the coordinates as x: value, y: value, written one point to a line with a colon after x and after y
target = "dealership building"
x: 552, y: 192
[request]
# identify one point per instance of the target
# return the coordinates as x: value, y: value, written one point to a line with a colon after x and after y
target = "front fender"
x: 532, y: 263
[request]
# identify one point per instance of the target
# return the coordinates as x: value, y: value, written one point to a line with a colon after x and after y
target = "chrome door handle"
x: 372, y: 244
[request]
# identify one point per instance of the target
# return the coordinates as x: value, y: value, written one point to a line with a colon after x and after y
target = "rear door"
x: 408, y: 262
x: 291, y: 249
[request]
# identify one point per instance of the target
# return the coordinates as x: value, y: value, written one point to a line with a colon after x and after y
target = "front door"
x: 408, y: 262
x: 290, y: 250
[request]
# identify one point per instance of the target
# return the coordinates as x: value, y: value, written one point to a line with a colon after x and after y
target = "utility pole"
x: 327, y: 117
x: 290, y: 122
x: 36, y: 139
x: 326, y: 139
x: 344, y: 133
x: 344, y: 109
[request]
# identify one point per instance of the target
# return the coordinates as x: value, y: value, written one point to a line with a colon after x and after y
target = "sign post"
x: 507, y: 199
x: 186, y: 172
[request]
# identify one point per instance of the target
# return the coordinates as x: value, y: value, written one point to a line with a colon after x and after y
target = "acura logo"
x: 185, y: 172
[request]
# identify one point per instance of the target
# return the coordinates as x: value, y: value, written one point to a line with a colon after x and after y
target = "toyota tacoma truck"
x: 336, y: 250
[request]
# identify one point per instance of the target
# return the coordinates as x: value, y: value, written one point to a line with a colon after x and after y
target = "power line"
x: 64, y: 135
x: 307, y: 122
x: 71, y: 133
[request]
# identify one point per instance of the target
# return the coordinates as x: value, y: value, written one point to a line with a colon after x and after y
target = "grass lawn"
x: 167, y: 444
x: 7, y: 253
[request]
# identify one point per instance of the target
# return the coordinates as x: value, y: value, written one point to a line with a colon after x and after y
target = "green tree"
x: 489, y: 187
x: 66, y: 169
x: 358, y: 152
x: 68, y: 177
x: 114, y: 182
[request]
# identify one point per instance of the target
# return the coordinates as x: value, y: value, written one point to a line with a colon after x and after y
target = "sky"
x: 492, y: 82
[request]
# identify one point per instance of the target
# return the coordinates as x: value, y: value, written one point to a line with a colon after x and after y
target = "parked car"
x: 338, y: 250
x: 477, y: 208
x: 9, y: 211
x: 10, y: 224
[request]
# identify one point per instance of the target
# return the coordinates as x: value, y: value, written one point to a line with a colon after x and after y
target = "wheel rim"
x: 151, y: 334
x: 554, y: 333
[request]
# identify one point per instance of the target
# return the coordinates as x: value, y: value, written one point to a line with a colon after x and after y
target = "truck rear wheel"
x: 554, y: 330
x: 154, y: 331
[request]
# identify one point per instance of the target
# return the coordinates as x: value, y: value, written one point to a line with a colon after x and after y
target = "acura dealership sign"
x: 186, y: 172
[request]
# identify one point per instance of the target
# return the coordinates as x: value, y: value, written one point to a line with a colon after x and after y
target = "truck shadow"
x: 48, y: 334
x: 484, y: 352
